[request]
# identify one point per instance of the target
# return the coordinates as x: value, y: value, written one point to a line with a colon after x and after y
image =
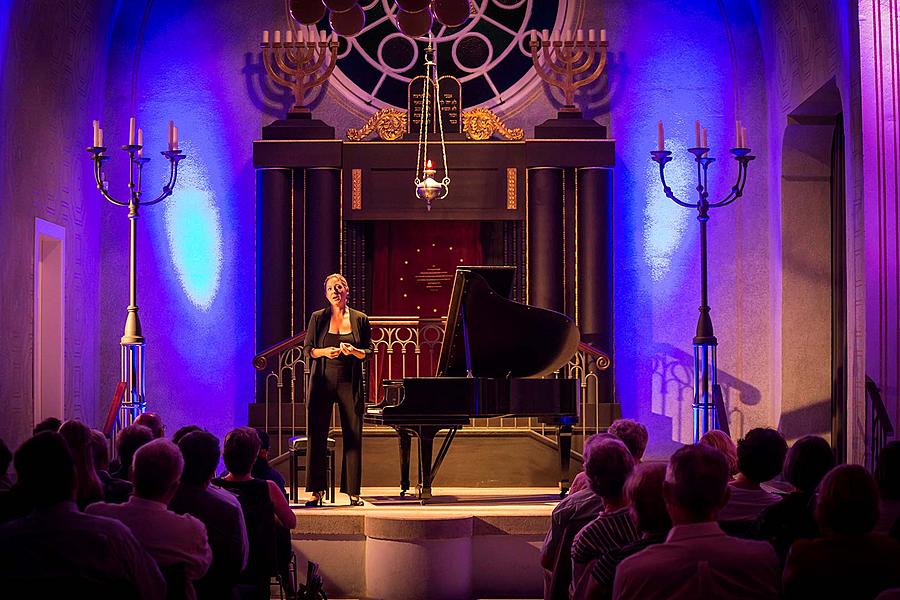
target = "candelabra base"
x: 570, y: 124
x: 298, y: 125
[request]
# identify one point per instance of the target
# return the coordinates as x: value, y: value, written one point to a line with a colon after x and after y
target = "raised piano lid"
x: 505, y: 338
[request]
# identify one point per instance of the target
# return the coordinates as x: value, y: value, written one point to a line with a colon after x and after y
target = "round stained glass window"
x: 488, y: 54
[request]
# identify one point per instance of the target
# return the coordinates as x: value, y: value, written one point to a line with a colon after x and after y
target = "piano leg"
x: 405, y: 444
x: 565, y: 454
x: 426, y: 445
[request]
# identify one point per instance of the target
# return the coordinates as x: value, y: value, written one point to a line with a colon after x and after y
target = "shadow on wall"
x: 812, y: 419
x: 595, y: 99
x: 672, y: 379
x: 268, y: 97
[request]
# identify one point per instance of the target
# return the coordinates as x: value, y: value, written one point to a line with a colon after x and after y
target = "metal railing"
x: 878, y: 423
x: 408, y: 347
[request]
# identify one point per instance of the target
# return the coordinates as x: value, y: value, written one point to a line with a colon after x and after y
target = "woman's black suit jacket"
x: 315, y: 338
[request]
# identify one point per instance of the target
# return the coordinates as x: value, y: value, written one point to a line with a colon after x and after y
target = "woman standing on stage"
x: 338, y: 340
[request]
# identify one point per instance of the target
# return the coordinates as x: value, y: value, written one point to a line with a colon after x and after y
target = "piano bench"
x: 298, y: 445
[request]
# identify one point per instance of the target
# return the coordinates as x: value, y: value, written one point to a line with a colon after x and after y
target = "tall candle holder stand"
x: 705, y: 414
x: 132, y: 343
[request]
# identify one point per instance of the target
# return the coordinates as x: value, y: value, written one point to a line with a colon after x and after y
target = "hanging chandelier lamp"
x: 427, y: 187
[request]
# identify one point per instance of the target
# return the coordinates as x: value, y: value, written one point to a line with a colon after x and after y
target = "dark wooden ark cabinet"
x: 548, y: 203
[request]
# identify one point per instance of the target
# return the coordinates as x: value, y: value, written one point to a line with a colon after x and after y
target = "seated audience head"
x: 152, y: 421
x: 157, y: 470
x: 847, y: 502
x: 129, y: 440
x: 264, y: 443
x: 887, y: 471
x: 607, y: 466
x: 761, y: 454
x: 696, y: 485
x: 721, y: 441
x: 183, y: 431
x: 645, y: 496
x: 78, y: 437
x: 45, y: 470
x: 240, y: 451
x: 633, y: 435
x: 99, y: 450
x: 200, y: 450
x: 49, y: 424
x: 807, y: 462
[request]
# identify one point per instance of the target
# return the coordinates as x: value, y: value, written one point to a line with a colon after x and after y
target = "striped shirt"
x: 604, y: 568
x: 608, y: 531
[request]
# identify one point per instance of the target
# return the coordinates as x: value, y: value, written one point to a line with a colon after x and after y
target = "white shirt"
x: 168, y: 537
x: 700, y: 561
x: 745, y: 505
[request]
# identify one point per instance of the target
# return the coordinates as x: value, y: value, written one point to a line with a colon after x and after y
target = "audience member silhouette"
x: 850, y: 561
x: 153, y: 422
x: 261, y: 468
x: 218, y: 509
x: 721, y: 441
x: 49, y: 424
x: 114, y: 490
x: 632, y: 433
x: 887, y: 474
x: 614, y: 527
x: 178, y: 543
x: 792, y: 518
x: 264, y: 507
x: 648, y: 511
x: 698, y: 560
x: 760, y: 458
x: 568, y: 517
x: 127, y: 443
x: 78, y: 437
x: 183, y: 431
x: 57, y: 551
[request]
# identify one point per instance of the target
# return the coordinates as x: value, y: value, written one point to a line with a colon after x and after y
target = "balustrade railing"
x: 408, y: 347
x: 878, y: 423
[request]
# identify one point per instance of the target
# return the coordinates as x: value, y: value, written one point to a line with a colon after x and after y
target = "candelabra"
x: 132, y: 342
x: 298, y: 63
x: 707, y: 396
x: 568, y: 60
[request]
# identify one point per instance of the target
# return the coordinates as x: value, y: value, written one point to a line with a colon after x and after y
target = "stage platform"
x: 465, y: 543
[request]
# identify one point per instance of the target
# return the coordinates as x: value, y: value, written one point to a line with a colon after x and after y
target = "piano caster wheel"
x: 563, y: 493
x: 404, y: 493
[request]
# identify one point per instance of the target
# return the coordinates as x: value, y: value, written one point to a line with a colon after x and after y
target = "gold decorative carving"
x: 511, y: 178
x: 387, y: 123
x: 481, y: 123
x: 356, y: 189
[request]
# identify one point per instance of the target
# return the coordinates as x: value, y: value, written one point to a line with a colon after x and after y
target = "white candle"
x: 660, y: 137
x: 334, y: 36
x: 175, y: 138
x: 171, y: 127
x: 744, y: 137
x: 140, y: 142
x: 289, y: 36
x: 323, y: 37
x: 131, y: 131
x: 266, y: 36
x: 96, y: 133
x: 705, y: 144
x: 100, y: 137
x: 545, y: 35
x: 737, y: 133
x: 554, y: 36
x: 579, y: 35
x: 533, y: 36
x: 277, y: 36
x: 602, y: 35
x: 592, y: 35
x: 697, y: 133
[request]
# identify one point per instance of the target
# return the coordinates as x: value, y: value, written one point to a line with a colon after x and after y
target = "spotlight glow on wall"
x: 665, y: 222
x: 195, y: 240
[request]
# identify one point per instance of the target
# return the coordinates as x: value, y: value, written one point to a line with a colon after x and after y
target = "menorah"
x: 297, y: 63
x: 707, y: 399
x: 566, y: 61
x: 132, y: 342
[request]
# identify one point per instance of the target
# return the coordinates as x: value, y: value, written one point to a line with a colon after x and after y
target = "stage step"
x: 477, y: 458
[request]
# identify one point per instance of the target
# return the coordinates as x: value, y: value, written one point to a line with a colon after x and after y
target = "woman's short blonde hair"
x: 337, y: 276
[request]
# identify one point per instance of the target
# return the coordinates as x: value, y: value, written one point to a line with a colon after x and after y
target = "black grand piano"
x: 493, y: 361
